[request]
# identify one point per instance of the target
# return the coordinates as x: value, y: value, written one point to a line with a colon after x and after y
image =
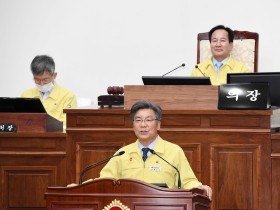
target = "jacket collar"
x: 159, y: 146
x: 229, y: 63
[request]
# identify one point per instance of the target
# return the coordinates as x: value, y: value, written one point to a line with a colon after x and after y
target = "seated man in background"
x: 141, y: 163
x: 54, y: 97
x: 221, y: 63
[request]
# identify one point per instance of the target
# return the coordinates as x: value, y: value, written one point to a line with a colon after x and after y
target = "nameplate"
x: 8, y: 127
x: 244, y: 96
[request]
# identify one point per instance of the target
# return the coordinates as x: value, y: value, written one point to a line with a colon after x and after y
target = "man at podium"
x: 54, y: 97
x: 150, y: 158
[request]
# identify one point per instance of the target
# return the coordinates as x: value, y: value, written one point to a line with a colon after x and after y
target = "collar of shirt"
x: 151, y: 145
x: 218, y: 65
x: 46, y: 94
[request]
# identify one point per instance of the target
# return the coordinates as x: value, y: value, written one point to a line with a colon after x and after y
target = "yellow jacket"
x: 230, y: 66
x: 60, y: 98
x: 154, y: 169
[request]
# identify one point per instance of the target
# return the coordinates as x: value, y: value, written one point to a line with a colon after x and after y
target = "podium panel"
x: 129, y: 194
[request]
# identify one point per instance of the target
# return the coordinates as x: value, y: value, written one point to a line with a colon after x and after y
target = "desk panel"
x: 29, y: 163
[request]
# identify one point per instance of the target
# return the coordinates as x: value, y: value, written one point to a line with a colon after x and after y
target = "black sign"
x: 244, y: 96
x: 8, y: 127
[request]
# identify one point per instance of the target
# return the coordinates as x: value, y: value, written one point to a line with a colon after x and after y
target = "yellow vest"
x: 154, y: 169
x: 60, y: 98
x: 230, y: 66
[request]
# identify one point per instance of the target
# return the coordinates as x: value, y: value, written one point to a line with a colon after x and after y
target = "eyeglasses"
x: 146, y: 121
x: 44, y: 81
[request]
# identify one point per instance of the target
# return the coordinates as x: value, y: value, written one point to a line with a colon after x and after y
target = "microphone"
x: 196, y: 66
x: 174, y: 69
x: 179, y: 177
x: 97, y: 164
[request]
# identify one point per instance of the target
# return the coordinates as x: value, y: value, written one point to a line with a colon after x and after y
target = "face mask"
x: 45, y: 88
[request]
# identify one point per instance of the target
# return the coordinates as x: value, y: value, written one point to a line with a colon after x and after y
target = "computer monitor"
x: 272, y: 78
x: 21, y: 105
x: 159, y: 80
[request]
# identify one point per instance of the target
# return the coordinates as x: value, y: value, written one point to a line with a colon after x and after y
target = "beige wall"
x: 99, y: 43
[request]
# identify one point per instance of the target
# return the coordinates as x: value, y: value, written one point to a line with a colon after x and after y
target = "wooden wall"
x: 235, y: 152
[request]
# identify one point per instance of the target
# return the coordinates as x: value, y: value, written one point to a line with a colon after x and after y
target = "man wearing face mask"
x: 54, y: 97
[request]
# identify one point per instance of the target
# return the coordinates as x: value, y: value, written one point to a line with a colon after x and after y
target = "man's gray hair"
x: 145, y: 104
x: 42, y: 63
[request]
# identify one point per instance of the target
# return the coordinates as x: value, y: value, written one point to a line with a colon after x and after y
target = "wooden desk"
x: 228, y: 150
x: 29, y: 163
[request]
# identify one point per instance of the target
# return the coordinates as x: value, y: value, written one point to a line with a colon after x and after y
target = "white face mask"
x: 45, y: 88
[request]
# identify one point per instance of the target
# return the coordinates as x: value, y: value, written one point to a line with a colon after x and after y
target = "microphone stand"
x: 97, y: 164
x: 196, y: 66
x: 179, y: 177
x: 174, y: 69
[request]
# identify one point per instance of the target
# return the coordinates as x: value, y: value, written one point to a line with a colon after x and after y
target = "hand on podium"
x: 74, y: 184
x: 207, y: 190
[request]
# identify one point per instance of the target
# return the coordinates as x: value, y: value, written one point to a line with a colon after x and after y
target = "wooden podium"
x: 123, y: 194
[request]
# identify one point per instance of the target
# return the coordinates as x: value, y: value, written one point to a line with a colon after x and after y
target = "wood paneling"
x: 32, y: 122
x: 239, y: 160
x: 275, y: 165
x: 22, y: 182
x: 29, y: 163
x: 183, y: 97
x: 235, y: 171
x: 228, y: 150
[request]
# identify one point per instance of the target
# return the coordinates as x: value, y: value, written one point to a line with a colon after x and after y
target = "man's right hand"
x: 72, y: 185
